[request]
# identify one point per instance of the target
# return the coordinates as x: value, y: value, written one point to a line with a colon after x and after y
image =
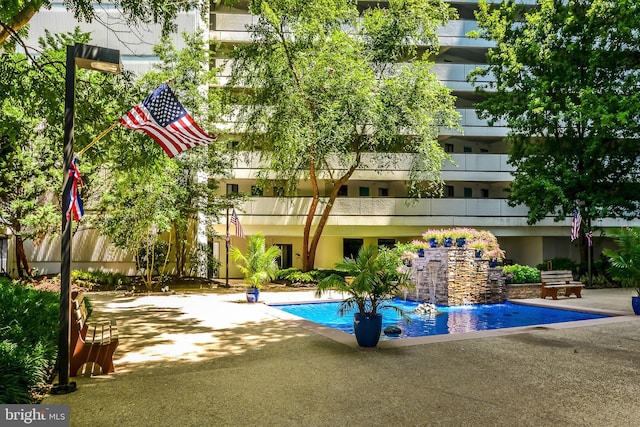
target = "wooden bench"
x: 91, y: 343
x: 554, y: 280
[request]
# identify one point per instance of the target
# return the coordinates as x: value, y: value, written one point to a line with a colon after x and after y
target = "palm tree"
x: 625, y: 262
x: 259, y: 265
x: 373, y: 278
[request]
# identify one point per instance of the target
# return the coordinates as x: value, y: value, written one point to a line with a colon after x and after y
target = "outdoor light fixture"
x: 91, y: 58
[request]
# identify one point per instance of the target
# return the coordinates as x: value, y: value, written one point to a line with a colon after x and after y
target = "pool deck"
x: 214, y: 360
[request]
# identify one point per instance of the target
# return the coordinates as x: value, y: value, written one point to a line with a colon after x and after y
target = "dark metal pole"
x: 64, y: 386
x: 228, y: 240
x: 589, y: 253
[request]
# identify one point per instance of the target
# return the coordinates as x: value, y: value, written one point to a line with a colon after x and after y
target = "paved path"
x: 211, y: 360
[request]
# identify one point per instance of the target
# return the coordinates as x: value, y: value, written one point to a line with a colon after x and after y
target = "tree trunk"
x: 181, y: 249
x: 22, y: 263
x: 19, y: 20
x: 310, y: 246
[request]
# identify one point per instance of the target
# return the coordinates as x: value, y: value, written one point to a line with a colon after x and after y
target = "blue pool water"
x: 451, y: 320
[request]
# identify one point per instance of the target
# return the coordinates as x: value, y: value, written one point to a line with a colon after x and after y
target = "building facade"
x: 373, y: 207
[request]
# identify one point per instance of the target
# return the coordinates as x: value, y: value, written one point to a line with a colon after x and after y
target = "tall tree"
x: 145, y: 193
x: 320, y: 86
x: 565, y: 78
x: 16, y: 14
x: 31, y: 122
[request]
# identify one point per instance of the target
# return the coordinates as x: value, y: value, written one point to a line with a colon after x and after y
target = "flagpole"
x: 227, y: 240
x: 98, y: 138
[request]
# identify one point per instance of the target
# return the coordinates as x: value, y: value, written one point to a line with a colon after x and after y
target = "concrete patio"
x: 213, y: 360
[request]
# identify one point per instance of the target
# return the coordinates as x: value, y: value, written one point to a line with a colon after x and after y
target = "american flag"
x: 575, y: 224
x: 165, y: 120
x: 235, y: 221
x: 75, y: 203
x: 589, y: 236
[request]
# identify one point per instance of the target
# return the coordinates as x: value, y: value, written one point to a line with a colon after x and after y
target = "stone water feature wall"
x: 454, y: 276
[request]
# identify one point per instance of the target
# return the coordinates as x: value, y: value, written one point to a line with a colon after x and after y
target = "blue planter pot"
x: 367, y: 328
x: 253, y: 294
x: 635, y: 303
x: 461, y: 241
x: 433, y: 242
x: 421, y: 253
x: 478, y: 253
x: 448, y: 242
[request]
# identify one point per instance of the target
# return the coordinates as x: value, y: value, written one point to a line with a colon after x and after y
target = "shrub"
x: 521, y: 274
x: 28, y: 340
x: 99, y: 280
x: 598, y: 281
x: 296, y: 277
x: 558, y: 264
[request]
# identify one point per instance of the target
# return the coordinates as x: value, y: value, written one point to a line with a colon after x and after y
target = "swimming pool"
x: 450, y: 320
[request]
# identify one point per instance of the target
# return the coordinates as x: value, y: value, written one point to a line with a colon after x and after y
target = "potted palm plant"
x: 372, y: 279
x: 259, y: 265
x: 624, y: 264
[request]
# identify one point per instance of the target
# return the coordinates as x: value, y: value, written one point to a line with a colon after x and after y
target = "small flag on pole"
x: 75, y: 203
x: 589, y: 236
x: 163, y: 118
x: 235, y: 221
x: 575, y: 224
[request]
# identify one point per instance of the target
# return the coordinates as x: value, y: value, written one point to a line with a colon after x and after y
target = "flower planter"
x: 367, y: 328
x: 421, y: 253
x: 433, y: 242
x: 253, y: 294
x: 635, y: 303
x: 448, y: 242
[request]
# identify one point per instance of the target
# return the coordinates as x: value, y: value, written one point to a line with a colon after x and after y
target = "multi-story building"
x: 373, y: 207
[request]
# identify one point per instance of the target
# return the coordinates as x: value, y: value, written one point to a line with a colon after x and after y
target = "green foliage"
x: 296, y: 277
x: 259, y: 265
x: 137, y: 13
x: 521, y: 274
x: 321, y: 92
x: 625, y: 262
x: 145, y: 192
x: 559, y: 263
x: 598, y: 281
x: 28, y: 340
x: 373, y: 278
x: 557, y: 74
x: 31, y: 131
x: 99, y: 280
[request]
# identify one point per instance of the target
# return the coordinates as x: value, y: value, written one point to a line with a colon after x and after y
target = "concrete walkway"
x: 213, y: 360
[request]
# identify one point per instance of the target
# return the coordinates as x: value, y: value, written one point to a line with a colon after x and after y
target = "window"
x: 364, y: 191
x: 278, y: 191
x: 285, y: 260
x: 448, y: 148
x: 484, y: 192
x: 468, y: 192
x: 383, y: 192
x: 449, y: 190
x: 484, y: 150
x: 467, y: 150
x: 232, y: 188
x: 256, y: 191
x: 342, y: 191
x: 350, y: 247
x: 388, y: 243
